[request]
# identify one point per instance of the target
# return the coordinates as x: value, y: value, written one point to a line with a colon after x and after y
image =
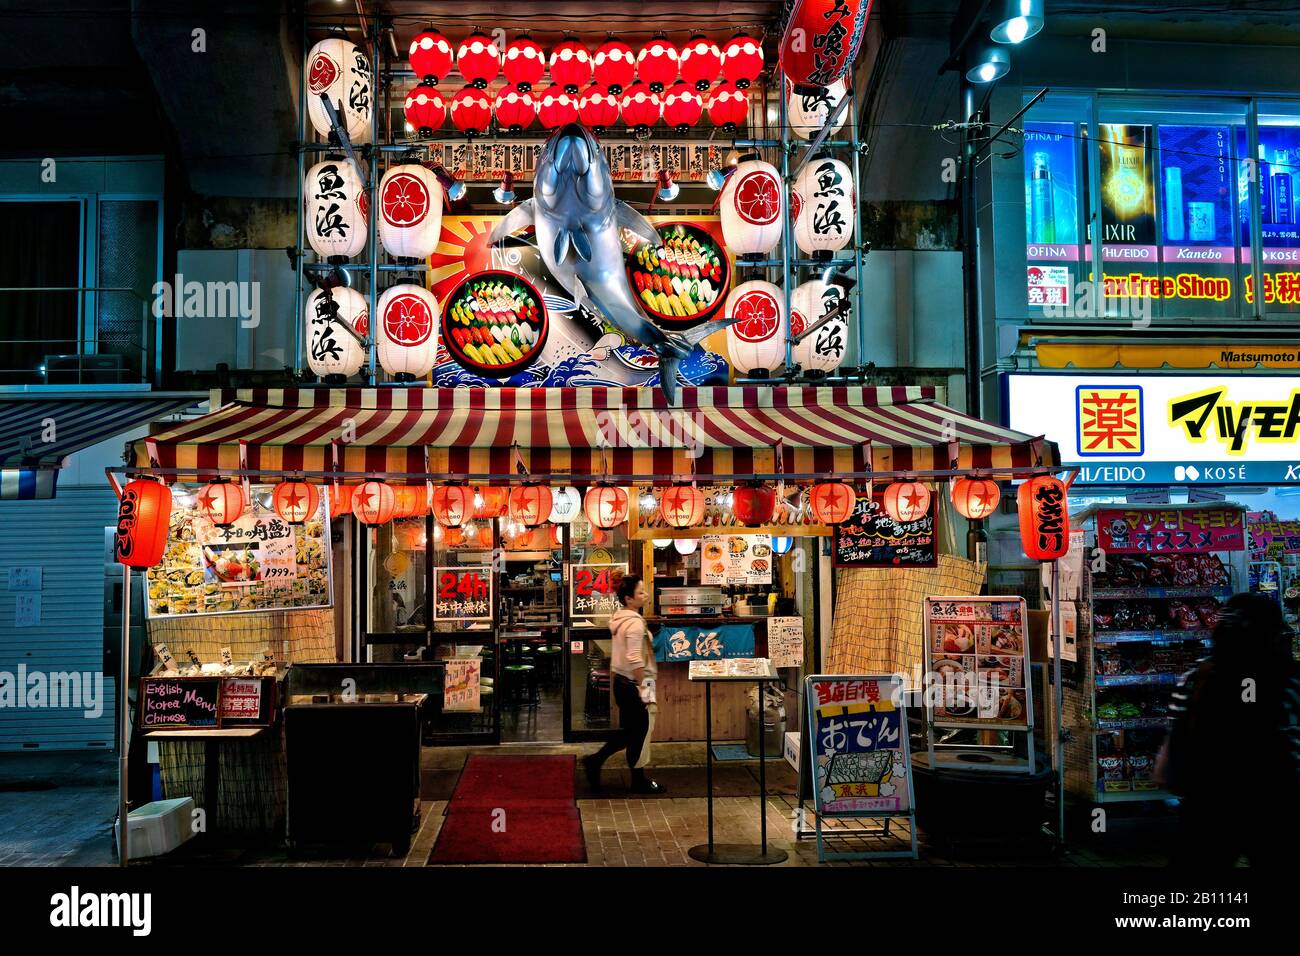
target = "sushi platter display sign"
x: 977, y: 663
x: 861, y: 764
x: 259, y: 562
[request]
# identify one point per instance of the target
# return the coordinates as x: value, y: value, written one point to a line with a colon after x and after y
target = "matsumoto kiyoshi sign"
x: 1165, y: 429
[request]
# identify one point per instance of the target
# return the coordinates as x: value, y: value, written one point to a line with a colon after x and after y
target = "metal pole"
x: 300, y: 239
x: 762, y: 767
x: 123, y: 677
x: 708, y: 755
x: 970, y: 276
x: 859, y: 241
x: 1058, y: 709
x: 373, y: 188
x: 787, y: 225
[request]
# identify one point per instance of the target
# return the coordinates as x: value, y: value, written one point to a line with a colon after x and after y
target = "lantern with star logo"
x: 700, y: 62
x: 530, y: 504
x: 682, y: 505
x: 598, y: 108
x: 221, y: 501
x: 410, y: 211
x: 471, y: 110
x: 822, y: 207
x: 409, y: 501
x: 1044, y: 518
x: 490, y: 501
x: 822, y: 351
x: 143, y: 523
x: 515, y: 108
x: 614, y: 65
x: 295, y: 501
x: 753, y: 504
x: 570, y: 65
x: 832, y: 502
x: 338, y: 69
x: 478, y: 59
x: 606, y: 506
x: 756, y: 340
x: 340, y: 499
x: 907, y: 501
x: 742, y: 60
x: 406, y: 331
x: 525, y: 63
x: 373, y: 502
x: 975, y: 498
x: 656, y: 64
x: 334, y: 204
x: 430, y: 55
x: 752, y: 208
x: 453, y: 505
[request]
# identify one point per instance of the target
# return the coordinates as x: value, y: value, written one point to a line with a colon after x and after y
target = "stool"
x: 549, y: 660
x: 520, y: 685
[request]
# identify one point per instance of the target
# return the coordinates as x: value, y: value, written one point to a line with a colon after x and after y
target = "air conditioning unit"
x: 83, y: 369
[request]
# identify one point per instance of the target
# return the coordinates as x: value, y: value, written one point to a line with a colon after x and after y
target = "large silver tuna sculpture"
x: 579, y: 223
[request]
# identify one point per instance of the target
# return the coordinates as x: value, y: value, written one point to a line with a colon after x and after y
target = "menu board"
x: 1170, y: 531
x: 180, y: 703
x: 462, y: 593
x: 736, y: 559
x: 977, y: 656
x: 260, y: 562
x: 460, y: 688
x: 785, y: 641
x: 859, y: 745
x: 872, y: 539
x: 735, y: 668
x: 591, y: 589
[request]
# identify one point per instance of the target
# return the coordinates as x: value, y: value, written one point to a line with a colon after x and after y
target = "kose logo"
x: 75, y: 909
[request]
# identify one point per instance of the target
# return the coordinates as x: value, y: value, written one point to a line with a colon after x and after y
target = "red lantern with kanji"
x: 479, y: 59
x: 490, y: 501
x: 614, y: 65
x: 515, y: 108
x: 907, y: 501
x: 373, y: 502
x: 598, y: 108
x: 656, y: 64
x: 975, y: 498
x: 453, y: 505
x: 425, y: 109
x: 530, y: 504
x: 341, y: 499
x: 295, y: 501
x: 683, y: 107
x: 728, y: 106
x: 832, y: 502
x: 1044, y: 518
x: 471, y: 110
x: 555, y: 107
x: 571, y: 65
x: 742, y: 60
x: 409, y: 501
x: 821, y: 40
x: 640, y: 106
x: 606, y: 506
x: 221, y: 502
x: 525, y: 63
x: 143, y: 521
x: 430, y: 56
x: 700, y: 62
x: 682, y: 506
x: 753, y: 505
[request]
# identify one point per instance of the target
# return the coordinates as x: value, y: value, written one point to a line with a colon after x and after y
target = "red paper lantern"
x: 683, y: 107
x: 682, y: 506
x: 728, y: 106
x: 975, y: 498
x: 430, y: 56
x: 907, y: 501
x: 341, y: 499
x: 571, y: 65
x: 471, y: 110
x: 821, y: 40
x: 530, y: 504
x: 425, y: 109
x: 614, y: 65
x: 1044, y: 518
x: 656, y: 64
x: 143, y: 521
x: 484, y: 537
x: 452, y: 537
x: 753, y: 505
x: 453, y: 505
x: 409, y: 500
x: 525, y: 63
x: 555, y: 107
x: 832, y: 502
x: 640, y: 106
x: 515, y: 108
x: 221, y: 502
x: 605, y: 506
x: 700, y: 62
x: 742, y: 60
x: 598, y: 108
x: 491, y: 501
x: 295, y: 501
x: 479, y: 59
x: 373, y: 502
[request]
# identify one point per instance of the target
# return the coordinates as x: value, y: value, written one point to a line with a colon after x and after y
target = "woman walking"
x: 633, y: 664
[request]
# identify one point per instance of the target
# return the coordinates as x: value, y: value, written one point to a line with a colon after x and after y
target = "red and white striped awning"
x: 628, y: 433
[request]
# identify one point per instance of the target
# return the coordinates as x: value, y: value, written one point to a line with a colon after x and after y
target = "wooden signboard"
x: 872, y: 539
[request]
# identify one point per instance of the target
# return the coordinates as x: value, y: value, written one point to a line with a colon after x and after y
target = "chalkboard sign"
x: 180, y: 703
x: 872, y: 539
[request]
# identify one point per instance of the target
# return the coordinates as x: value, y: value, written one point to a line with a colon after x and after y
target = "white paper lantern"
x: 406, y: 331
x: 410, y: 211
x: 808, y: 114
x: 823, y: 351
x: 752, y: 209
x: 686, y: 545
x: 566, y: 504
x: 756, y: 342
x: 335, y: 207
x: 337, y: 68
x: 331, y: 350
x: 822, y: 206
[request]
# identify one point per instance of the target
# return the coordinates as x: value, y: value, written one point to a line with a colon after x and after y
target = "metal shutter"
x: 65, y: 538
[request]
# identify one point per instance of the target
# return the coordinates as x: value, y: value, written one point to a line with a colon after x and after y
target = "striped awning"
x: 38, y: 433
x: 630, y: 433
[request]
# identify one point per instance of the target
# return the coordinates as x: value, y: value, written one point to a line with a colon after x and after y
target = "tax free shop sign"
x: 1134, y: 429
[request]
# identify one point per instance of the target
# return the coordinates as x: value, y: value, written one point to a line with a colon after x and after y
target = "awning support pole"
x: 1058, y: 751
x: 123, y: 676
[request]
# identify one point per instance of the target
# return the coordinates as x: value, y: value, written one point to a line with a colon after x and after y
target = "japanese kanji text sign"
x: 1171, y: 530
x: 859, y: 745
x: 462, y: 593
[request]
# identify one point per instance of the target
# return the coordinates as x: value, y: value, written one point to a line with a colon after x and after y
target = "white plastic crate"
x: 159, y: 827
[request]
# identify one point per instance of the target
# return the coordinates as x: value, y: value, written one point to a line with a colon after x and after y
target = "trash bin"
x: 773, y: 731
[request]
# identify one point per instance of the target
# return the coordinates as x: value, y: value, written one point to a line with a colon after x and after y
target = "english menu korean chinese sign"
x: 858, y: 730
x: 1170, y: 531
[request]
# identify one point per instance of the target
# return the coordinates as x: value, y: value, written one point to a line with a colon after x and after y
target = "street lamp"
x: 1018, y: 20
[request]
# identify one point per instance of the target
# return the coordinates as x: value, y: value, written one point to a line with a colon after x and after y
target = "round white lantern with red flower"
x: 425, y: 109
x: 406, y: 331
x: 823, y: 350
x: 471, y: 110
x: 515, y: 108
x: 656, y: 64
x: 742, y: 60
x: 478, y: 59
x: 728, y: 107
x: 614, y: 65
x: 410, y: 211
x: 430, y: 55
x: 699, y: 63
x: 555, y: 107
x: 524, y: 63
x: 808, y: 112
x: 752, y: 208
x: 337, y: 323
x: 756, y: 340
x: 640, y: 106
x: 683, y: 106
x: 340, y: 70
x: 571, y: 65
x: 335, y: 207
x: 598, y: 108
x: 822, y: 207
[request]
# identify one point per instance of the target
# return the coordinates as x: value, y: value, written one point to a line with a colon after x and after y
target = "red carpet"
x: 512, y: 810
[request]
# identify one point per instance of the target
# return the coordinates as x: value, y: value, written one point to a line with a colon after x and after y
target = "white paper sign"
x: 461, y: 688
x: 785, y: 641
x: 25, y: 579
x: 27, y: 609
x: 1069, y: 634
